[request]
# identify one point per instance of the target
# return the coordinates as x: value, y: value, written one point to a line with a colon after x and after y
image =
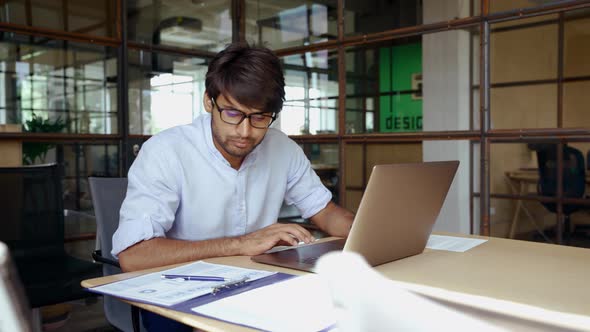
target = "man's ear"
x: 207, y: 103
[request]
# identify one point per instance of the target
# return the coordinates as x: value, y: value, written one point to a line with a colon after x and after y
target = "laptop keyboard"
x: 309, y: 260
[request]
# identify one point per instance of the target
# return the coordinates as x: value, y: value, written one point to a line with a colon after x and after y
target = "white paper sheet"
x: 452, y: 243
x: 153, y: 289
x: 297, y: 304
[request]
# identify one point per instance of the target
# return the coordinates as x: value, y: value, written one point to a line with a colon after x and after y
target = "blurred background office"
x: 502, y: 86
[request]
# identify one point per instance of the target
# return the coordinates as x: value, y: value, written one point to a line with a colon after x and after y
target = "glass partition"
x: 575, y: 104
x: 384, y: 87
x: 530, y: 170
x: 324, y: 161
x: 364, y: 17
x: 203, y: 25
x: 311, y: 94
x: 360, y: 159
x: 282, y: 24
x: 523, y: 52
x: 79, y: 161
x: 506, y: 5
x: 410, y: 85
x: 164, y: 90
x: 58, y: 87
x: 576, y: 44
x: 524, y: 71
x: 90, y: 17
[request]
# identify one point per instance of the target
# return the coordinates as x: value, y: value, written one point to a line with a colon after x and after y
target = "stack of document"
x: 154, y: 289
x: 298, y: 304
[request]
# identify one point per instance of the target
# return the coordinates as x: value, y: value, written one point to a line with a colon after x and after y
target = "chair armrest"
x: 97, y: 256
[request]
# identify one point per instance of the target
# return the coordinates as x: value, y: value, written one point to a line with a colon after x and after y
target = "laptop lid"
x: 394, y: 220
x: 398, y: 210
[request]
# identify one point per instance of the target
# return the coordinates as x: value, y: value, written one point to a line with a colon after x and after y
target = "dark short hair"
x: 252, y: 75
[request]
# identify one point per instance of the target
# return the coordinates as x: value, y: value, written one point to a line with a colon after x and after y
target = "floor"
x: 85, y: 316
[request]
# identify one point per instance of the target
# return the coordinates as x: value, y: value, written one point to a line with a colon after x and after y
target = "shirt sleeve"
x: 152, y: 198
x: 304, y: 187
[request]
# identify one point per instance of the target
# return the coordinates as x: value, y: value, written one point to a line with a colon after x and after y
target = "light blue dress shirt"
x: 181, y: 187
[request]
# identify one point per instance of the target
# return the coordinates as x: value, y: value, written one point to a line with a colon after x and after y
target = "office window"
x: 576, y: 44
x: 90, y: 17
x: 434, y: 11
x: 506, y: 5
x: 410, y: 84
x: 576, y: 103
x: 363, y: 17
x: 527, y: 106
x: 282, y: 24
x: 523, y: 53
x: 58, y: 87
x: 530, y: 170
x: 82, y: 161
x: 384, y: 88
x: 362, y: 89
x: 360, y: 159
x: 311, y: 94
x: 324, y: 158
x: 79, y: 161
x: 524, y: 69
x: 576, y: 69
x: 203, y: 25
x: 158, y: 81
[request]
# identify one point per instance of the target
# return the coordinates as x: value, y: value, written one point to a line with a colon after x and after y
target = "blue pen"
x: 193, y: 277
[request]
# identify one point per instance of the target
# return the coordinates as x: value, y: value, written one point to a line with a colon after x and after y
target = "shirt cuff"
x: 131, y: 232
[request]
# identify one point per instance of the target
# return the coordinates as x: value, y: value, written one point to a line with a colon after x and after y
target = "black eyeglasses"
x: 260, y: 120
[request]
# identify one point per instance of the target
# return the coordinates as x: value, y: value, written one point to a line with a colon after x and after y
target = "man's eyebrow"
x: 228, y: 106
x: 231, y: 106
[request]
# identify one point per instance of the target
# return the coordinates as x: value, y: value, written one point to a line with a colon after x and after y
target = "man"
x: 215, y: 187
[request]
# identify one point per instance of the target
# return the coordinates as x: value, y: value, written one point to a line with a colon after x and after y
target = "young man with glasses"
x: 215, y: 187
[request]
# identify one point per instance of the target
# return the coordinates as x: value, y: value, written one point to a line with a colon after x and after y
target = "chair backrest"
x: 16, y: 314
x: 574, y: 171
x: 574, y: 174
x: 107, y: 196
x: 32, y: 211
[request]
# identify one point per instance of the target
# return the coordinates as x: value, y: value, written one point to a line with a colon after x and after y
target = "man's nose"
x: 244, y: 128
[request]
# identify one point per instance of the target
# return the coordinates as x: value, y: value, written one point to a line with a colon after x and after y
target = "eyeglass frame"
x: 273, y: 116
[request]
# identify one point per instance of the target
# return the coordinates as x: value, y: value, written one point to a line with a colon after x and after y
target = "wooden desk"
x: 543, y: 275
x: 520, y: 182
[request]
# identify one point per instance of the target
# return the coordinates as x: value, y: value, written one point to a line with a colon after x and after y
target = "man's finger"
x: 287, y: 237
x: 299, y: 232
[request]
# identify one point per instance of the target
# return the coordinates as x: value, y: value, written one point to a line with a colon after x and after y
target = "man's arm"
x: 334, y: 220
x: 162, y: 251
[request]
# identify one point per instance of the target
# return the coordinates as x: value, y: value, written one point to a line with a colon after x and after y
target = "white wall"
x: 446, y: 105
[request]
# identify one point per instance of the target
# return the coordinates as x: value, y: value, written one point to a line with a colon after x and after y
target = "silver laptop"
x: 394, y: 219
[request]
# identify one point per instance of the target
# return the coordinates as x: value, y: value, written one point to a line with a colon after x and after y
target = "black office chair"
x: 107, y: 196
x: 33, y: 229
x: 574, y: 178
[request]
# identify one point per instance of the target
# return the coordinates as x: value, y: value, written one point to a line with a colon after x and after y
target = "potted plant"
x: 34, y: 150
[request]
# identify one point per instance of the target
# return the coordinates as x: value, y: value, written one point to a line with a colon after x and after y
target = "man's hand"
x: 171, y: 251
x: 257, y: 242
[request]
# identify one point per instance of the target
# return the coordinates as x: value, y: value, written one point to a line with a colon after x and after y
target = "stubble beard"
x: 231, y: 150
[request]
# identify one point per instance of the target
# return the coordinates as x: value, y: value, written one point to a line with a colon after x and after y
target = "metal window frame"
x: 483, y: 136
